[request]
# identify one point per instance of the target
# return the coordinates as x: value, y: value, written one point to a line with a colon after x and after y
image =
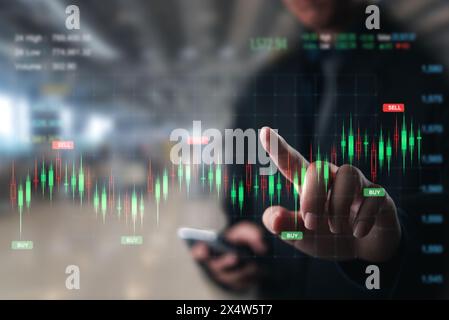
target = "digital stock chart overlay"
x: 398, y: 145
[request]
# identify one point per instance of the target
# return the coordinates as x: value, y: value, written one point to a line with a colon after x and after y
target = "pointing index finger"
x: 286, y: 158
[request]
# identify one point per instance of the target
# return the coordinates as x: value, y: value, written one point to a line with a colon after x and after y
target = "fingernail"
x: 361, y: 229
x: 311, y: 221
x: 232, y: 259
x: 272, y: 220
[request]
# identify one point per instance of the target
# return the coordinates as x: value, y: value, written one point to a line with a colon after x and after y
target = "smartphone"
x: 216, y: 243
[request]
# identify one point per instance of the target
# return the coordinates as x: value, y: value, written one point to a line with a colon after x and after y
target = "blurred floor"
x: 65, y: 234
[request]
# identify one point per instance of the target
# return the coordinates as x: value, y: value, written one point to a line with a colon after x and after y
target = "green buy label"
x: 291, y: 235
x: 132, y: 240
x: 22, y: 245
x: 373, y: 192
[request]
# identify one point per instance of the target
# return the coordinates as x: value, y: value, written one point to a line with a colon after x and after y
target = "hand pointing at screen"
x: 337, y: 221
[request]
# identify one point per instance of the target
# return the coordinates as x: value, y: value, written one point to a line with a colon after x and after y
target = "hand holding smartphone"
x: 217, y: 244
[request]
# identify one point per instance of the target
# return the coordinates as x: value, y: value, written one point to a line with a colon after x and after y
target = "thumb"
x: 286, y: 158
x: 277, y: 219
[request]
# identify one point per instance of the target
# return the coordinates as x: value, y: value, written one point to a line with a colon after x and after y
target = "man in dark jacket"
x: 309, y: 96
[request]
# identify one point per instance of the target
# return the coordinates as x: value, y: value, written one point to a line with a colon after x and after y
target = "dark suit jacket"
x: 288, y: 95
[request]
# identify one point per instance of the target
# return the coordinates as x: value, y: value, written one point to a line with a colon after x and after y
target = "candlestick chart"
x: 398, y: 145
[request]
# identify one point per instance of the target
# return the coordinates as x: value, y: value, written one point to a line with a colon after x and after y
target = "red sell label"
x: 62, y: 145
x: 393, y: 107
x: 198, y: 140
